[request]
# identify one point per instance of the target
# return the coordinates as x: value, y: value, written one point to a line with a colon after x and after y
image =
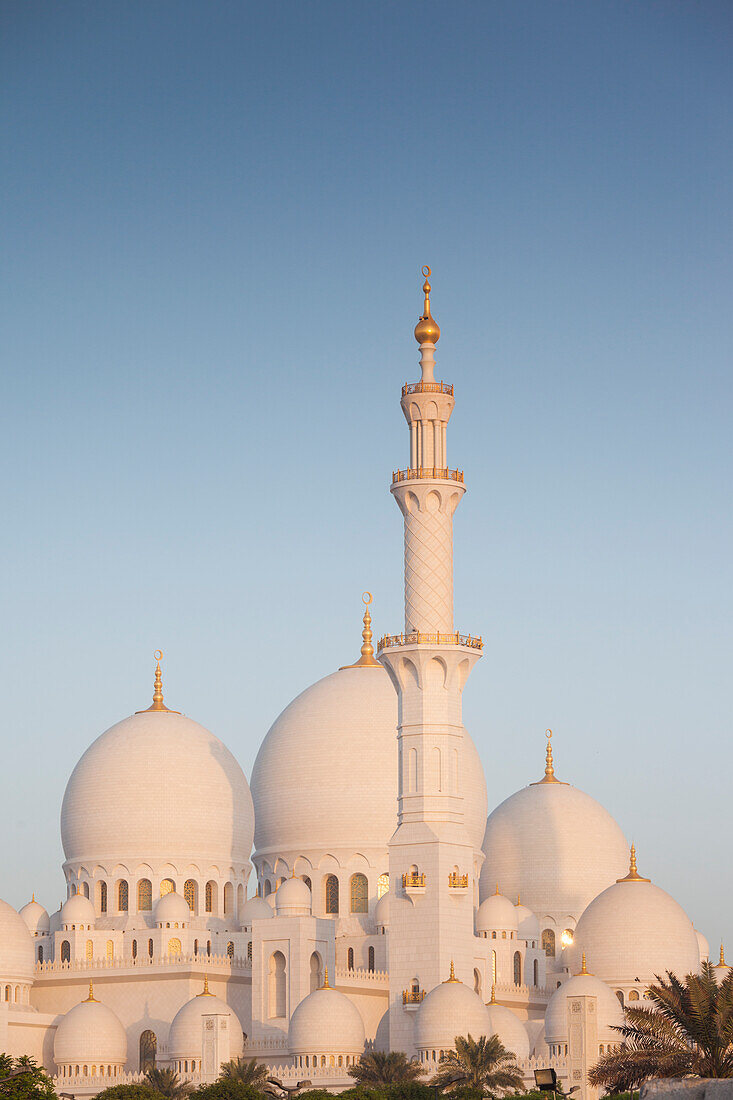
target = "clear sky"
x: 213, y: 221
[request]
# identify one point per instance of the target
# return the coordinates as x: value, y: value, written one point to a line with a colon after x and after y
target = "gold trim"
x: 493, y: 1000
x: 367, y: 659
x: 205, y: 991
x: 583, y: 968
x: 91, y: 996
x: 416, y: 637
x: 549, y: 776
x: 633, y: 875
x: 452, y: 976
x: 158, y: 703
x: 325, y: 979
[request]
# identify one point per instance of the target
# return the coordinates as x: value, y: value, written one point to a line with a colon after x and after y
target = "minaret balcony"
x: 427, y: 473
x: 413, y: 883
x: 457, y: 882
x: 412, y: 998
x: 469, y: 641
x: 427, y: 387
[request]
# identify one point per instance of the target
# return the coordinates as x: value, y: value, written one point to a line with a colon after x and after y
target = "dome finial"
x: 91, y: 996
x: 583, y: 967
x: 452, y: 976
x: 722, y: 955
x: 158, y: 703
x: 519, y: 899
x: 493, y: 995
x: 367, y: 659
x: 633, y: 875
x: 325, y: 979
x: 205, y: 991
x: 426, y: 329
x: 549, y: 776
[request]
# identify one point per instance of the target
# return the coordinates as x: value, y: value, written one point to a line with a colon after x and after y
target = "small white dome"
x: 90, y: 1032
x: 16, y: 947
x: 555, y: 846
x: 450, y: 1009
x: 185, y: 1038
x: 702, y: 945
x: 496, y: 914
x: 293, y: 898
x: 137, y: 794
x: 255, y: 909
x: 610, y: 1013
x: 79, y: 911
x: 36, y: 918
x: 172, y: 909
x: 326, y: 1022
x: 509, y: 1028
x: 634, y: 930
x: 381, y: 910
x: 527, y: 923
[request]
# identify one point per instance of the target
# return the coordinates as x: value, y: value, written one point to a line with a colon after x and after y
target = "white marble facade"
x: 389, y: 912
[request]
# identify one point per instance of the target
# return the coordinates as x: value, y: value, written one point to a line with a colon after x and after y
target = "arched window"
x: 548, y: 942
x: 148, y: 1049
x: 85, y: 889
x: 189, y: 893
x: 266, y: 889
x: 620, y: 995
x: 134, y: 949
x: 371, y: 959
x: 102, y: 895
x: 249, y: 952
x: 359, y: 894
x: 208, y: 948
x: 65, y: 952
x: 195, y: 947
x: 517, y: 968
x: 332, y: 895
x: 633, y: 994
x: 307, y: 881
x: 230, y: 949
x: 536, y: 973
x: 174, y: 946
x: 493, y: 967
x: 89, y: 952
x: 382, y: 884
x: 477, y: 982
x: 315, y: 975
x: 210, y: 897
x: 40, y: 954
x: 167, y: 886
x: 144, y: 895
x: 351, y: 958
x: 110, y: 949
x: 123, y: 896
x: 228, y: 899
x: 150, y: 948
x: 277, y: 985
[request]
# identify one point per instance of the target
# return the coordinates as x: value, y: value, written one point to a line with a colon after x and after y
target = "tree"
x: 687, y: 1029
x: 226, y: 1088
x: 141, y: 1091
x: 482, y: 1065
x: 246, y: 1070
x: 33, y: 1085
x: 168, y: 1083
x: 376, y: 1069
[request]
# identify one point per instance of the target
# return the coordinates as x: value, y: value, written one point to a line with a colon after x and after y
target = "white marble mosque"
x: 385, y: 910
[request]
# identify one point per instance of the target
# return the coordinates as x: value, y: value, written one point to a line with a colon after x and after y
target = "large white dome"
x: 609, y: 1011
x: 185, y: 1038
x: 337, y: 739
x: 510, y: 1029
x: 635, y: 931
x: 90, y: 1032
x: 157, y: 788
x: 16, y: 947
x: 326, y: 1022
x: 554, y: 845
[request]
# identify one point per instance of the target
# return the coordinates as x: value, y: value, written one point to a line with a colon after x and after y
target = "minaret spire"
x: 427, y: 333
x: 367, y: 659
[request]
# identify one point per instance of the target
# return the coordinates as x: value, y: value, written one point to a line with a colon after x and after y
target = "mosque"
x: 396, y: 922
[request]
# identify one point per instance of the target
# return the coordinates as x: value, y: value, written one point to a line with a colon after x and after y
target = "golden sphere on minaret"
x: 426, y: 329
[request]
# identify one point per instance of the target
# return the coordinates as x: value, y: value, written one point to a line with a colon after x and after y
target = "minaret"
x: 431, y: 858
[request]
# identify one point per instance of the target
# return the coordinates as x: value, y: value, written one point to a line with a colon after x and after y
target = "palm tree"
x: 484, y: 1065
x: 375, y: 1068
x: 246, y: 1070
x: 687, y: 1029
x: 168, y: 1083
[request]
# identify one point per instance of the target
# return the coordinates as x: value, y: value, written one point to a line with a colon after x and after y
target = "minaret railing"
x: 419, y: 638
x: 440, y: 473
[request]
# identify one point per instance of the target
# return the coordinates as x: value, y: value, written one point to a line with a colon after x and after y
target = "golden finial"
x: 452, y: 976
x: 91, y: 996
x: 33, y: 896
x: 493, y: 995
x: 722, y: 956
x: 519, y: 899
x: 633, y: 875
x: 158, y: 703
x: 549, y: 776
x: 205, y: 991
x: 583, y: 967
x: 426, y: 329
x: 325, y: 979
x: 367, y: 659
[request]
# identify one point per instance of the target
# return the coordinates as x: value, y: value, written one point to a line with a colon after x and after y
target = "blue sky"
x: 213, y: 220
